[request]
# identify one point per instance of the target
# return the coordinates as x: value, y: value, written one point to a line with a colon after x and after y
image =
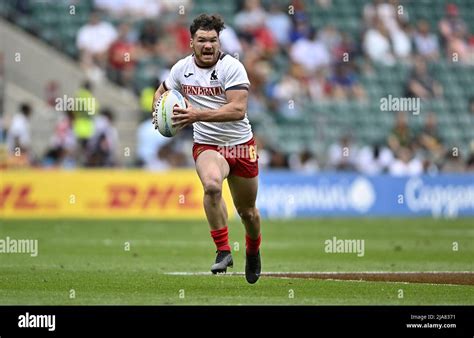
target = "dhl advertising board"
x: 103, y: 194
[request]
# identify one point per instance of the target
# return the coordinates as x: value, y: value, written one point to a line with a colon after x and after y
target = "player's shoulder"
x: 228, y: 60
x: 231, y: 65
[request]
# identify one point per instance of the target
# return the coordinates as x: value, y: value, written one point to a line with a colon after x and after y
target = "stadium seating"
x: 320, y: 121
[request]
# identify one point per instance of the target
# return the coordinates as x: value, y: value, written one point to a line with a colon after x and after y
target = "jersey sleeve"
x: 236, y: 75
x: 172, y: 81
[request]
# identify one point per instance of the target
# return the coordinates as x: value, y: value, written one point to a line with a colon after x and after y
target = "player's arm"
x: 160, y: 91
x: 233, y: 110
x: 156, y: 101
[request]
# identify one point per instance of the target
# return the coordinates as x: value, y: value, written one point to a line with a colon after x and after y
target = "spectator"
x: 374, y: 160
x: 301, y: 27
x: 19, y: 133
x: 326, y: 4
x: 251, y: 23
x: 20, y: 157
x: 251, y: 17
x: 149, y: 38
x: 51, y: 92
x: 458, y: 50
x: 453, y: 163
x: 93, y: 42
x: 258, y: 68
x: 345, y: 84
x: 370, y: 12
x: 471, y: 105
x: 63, y: 144
x: 167, y: 156
x: 400, y: 136
x: 421, y: 84
x: 3, y: 130
x: 342, y: 155
x: 112, y: 7
x: 263, y: 152
x: 278, y: 160
x: 429, y: 139
x: 331, y: 38
x: 173, y: 6
x: 346, y: 49
x: 289, y: 92
x: 470, y: 160
x: 384, y: 11
x: 426, y: 43
x: 230, y: 42
x: 83, y: 124
x: 143, y: 9
x: 122, y: 57
x: 160, y: 161
x: 149, y: 142
x: 136, y: 9
x: 405, y: 164
x: 104, y: 144
x: 146, y: 98
x: 177, y: 40
x: 400, y: 38
x: 451, y: 23
x: 377, y: 46
x: 304, y: 162
x: 279, y: 24
x: 455, y: 33
x: 310, y: 53
x: 319, y: 87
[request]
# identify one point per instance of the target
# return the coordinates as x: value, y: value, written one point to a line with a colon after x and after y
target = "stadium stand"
x: 316, y: 115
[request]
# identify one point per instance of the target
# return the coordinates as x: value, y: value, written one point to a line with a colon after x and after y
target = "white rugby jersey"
x: 205, y: 88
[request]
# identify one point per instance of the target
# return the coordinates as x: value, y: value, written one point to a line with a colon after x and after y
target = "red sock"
x: 221, y: 239
x: 252, y: 245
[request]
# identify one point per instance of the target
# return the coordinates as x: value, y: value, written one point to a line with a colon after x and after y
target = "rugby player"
x: 215, y: 86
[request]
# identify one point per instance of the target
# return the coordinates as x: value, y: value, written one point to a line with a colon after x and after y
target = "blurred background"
x: 318, y: 68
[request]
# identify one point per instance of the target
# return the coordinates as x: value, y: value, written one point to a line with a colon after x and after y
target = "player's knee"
x: 212, y: 187
x: 248, y: 215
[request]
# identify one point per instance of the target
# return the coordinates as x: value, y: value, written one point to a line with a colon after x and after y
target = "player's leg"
x: 244, y: 195
x: 212, y: 169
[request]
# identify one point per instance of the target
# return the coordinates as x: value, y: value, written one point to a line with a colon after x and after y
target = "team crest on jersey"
x: 214, y: 79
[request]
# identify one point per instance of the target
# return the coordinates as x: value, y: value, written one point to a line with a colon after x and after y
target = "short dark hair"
x: 208, y: 23
x: 25, y: 109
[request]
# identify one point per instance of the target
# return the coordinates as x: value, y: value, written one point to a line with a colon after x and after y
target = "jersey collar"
x: 219, y: 58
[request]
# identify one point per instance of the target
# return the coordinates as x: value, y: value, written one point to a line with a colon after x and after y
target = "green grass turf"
x: 90, y: 258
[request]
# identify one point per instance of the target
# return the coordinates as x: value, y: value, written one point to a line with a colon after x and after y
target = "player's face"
x: 206, y: 46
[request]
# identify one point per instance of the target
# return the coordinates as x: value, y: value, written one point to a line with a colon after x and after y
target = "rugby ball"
x: 164, y: 111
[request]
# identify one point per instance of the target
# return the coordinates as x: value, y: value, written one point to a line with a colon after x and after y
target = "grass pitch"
x: 129, y: 262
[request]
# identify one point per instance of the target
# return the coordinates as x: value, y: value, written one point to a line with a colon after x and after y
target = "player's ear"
x: 191, y: 43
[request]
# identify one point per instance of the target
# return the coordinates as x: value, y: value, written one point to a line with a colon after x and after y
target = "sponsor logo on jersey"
x: 204, y: 91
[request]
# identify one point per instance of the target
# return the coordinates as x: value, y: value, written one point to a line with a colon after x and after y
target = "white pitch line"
x: 290, y: 275
x: 205, y: 273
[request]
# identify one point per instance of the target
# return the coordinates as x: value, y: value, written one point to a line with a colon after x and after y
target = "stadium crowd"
x: 323, y: 63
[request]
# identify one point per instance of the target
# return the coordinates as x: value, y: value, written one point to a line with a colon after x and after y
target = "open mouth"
x: 207, y: 53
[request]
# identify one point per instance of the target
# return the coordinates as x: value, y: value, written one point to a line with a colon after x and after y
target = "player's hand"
x: 183, y: 117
